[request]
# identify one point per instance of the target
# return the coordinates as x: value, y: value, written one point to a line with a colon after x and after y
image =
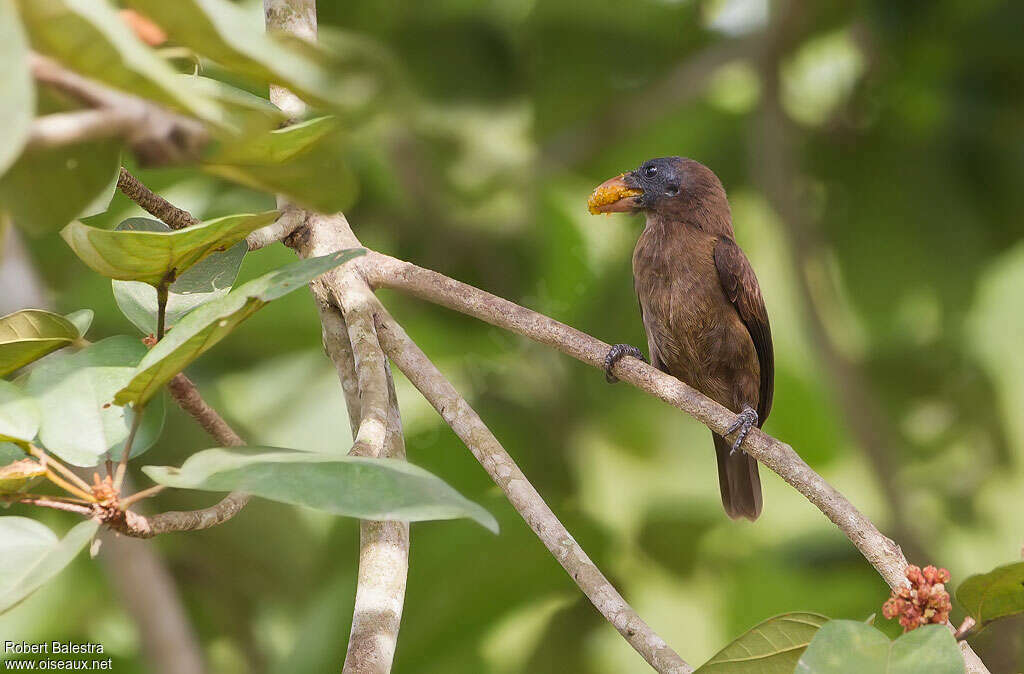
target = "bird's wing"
x: 740, y: 285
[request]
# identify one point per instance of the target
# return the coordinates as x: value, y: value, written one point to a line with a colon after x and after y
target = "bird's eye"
x: 650, y: 170
x: 672, y: 190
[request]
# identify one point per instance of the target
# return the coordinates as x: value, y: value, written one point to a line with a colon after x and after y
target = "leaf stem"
x: 138, y: 496
x: 126, y: 452
x: 50, y: 461
x: 57, y: 480
x: 162, y: 292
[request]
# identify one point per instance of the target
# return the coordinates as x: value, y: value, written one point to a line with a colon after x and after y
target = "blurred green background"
x: 873, y: 153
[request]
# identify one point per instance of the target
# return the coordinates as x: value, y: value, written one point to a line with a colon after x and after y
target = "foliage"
x: 208, y: 324
x: 849, y: 646
x: 341, y: 485
x: 208, y: 279
x: 74, y: 392
x: 993, y: 595
x: 31, y: 334
x: 132, y: 253
x: 773, y: 646
x: 16, y: 87
x: 903, y: 155
x: 32, y: 555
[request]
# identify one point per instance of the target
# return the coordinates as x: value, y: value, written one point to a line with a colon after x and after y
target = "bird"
x: 700, y: 304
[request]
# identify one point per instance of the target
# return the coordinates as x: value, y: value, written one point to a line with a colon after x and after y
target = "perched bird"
x: 701, y: 307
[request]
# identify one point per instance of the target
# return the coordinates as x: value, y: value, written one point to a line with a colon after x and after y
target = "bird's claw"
x: 615, y: 354
x: 745, y: 420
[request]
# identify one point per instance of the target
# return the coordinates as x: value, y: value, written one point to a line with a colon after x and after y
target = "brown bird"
x: 700, y: 303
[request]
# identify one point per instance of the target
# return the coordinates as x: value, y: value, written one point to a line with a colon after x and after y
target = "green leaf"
x: 17, y: 90
x: 304, y: 161
x: 135, y: 254
x: 75, y: 392
x: 201, y: 329
x: 246, y: 112
x: 206, y: 280
x: 17, y: 476
x: 278, y: 145
x: 10, y: 452
x: 348, y: 77
x: 31, y: 555
x: 374, y: 489
x: 46, y: 189
x: 996, y: 594
x: 19, y: 414
x: 851, y: 647
x: 771, y: 647
x: 81, y: 319
x: 90, y: 37
x: 30, y: 334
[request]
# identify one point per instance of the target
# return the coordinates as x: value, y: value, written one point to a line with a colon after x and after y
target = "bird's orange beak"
x: 613, y: 196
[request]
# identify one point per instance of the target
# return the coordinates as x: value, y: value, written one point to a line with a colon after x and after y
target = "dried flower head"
x: 925, y: 601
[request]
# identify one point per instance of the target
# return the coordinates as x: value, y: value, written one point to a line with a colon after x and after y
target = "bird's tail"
x: 738, y: 480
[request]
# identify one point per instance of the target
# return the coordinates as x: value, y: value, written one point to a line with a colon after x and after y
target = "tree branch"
x: 80, y: 126
x: 291, y: 219
x: 882, y: 553
x: 440, y: 393
x: 351, y: 341
x: 153, y: 203
x: 383, y: 546
x: 354, y: 297
x: 188, y: 398
x: 387, y: 272
x: 157, y: 136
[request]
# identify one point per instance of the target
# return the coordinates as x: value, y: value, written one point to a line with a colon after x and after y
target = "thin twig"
x: 965, y: 628
x: 63, y: 499
x: 80, y: 126
x: 440, y: 393
x: 157, y: 136
x: 291, y: 219
x: 186, y: 395
x: 126, y: 450
x: 56, y: 504
x: 152, y: 203
x: 139, y: 495
x: 133, y: 524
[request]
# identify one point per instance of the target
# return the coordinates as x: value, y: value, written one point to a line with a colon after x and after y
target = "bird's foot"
x: 615, y: 354
x: 745, y: 420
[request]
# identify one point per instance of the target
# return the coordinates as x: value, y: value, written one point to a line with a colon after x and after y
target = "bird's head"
x: 673, y: 186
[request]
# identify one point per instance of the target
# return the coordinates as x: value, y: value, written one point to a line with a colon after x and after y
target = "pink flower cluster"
x: 924, y: 601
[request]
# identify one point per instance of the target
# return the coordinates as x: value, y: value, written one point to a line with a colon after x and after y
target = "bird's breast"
x: 689, y: 321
